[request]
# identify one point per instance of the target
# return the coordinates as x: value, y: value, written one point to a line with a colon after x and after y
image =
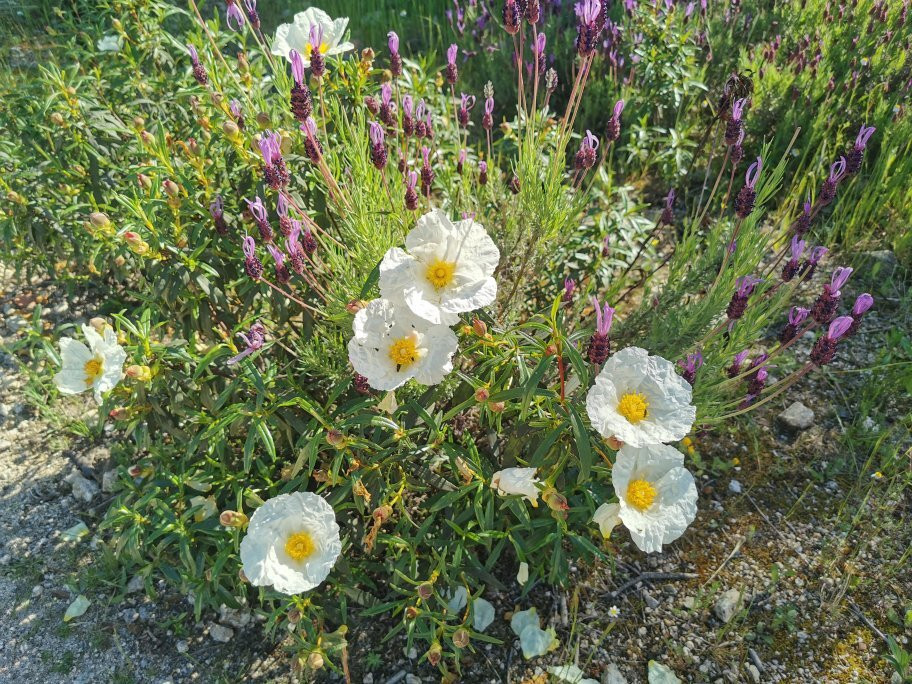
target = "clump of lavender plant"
x: 411, y: 196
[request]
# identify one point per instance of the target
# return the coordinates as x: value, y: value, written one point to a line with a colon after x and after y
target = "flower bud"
x: 139, y: 123
x: 555, y: 500
x: 461, y: 638
x: 231, y: 130
x: 139, y: 471
x: 335, y: 438
x: 315, y: 661
x: 14, y: 197
x: 263, y: 120
x: 425, y: 590
x: 233, y: 519
x: 480, y: 327
x: 193, y: 147
x: 119, y: 413
x: 119, y: 261
x: 294, y: 616
x: 551, y: 350
x: 135, y: 242
x: 435, y: 652
x: 354, y: 306
x: 411, y: 612
x: 144, y: 181
x: 496, y: 406
x: 614, y: 443
x: 146, y: 137
x: 99, y: 324
x: 140, y: 373
x: 100, y: 220
x: 382, y: 513
x: 482, y: 394
x: 117, y: 25
x: 243, y: 64
x: 57, y: 119
x: 170, y: 188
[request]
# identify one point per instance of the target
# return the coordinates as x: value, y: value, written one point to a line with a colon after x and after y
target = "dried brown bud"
x: 496, y: 406
x: 425, y: 591
x: 482, y: 394
x: 435, y: 652
x: 411, y: 612
x: 335, y: 438
x: 461, y: 638
x: 480, y: 327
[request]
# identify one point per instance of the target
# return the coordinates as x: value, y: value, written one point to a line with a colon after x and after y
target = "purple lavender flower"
x: 282, y: 274
x: 467, y: 102
x: 824, y: 350
x: 538, y: 50
x: 296, y: 254
x: 285, y: 221
x: 254, y: 340
x: 606, y: 247
x: 856, y: 154
x: 427, y: 173
x: 515, y: 185
x: 744, y: 202
x: 387, y: 106
x: 667, y: 217
x: 252, y: 265
x: 261, y: 218
x: 411, y: 197
x: 315, y: 43
x: 482, y: 173
x: 237, y: 112
x: 586, y: 157
x: 825, y: 307
x: 460, y: 161
x: 736, y: 151
x: 532, y: 12
x: 378, y: 153
x: 312, y: 147
x: 395, y: 57
x: 487, y: 119
x: 796, y: 317
x: 252, y: 13
x: 569, y: 289
x: 599, y: 344
x: 810, y: 265
x: 828, y: 189
x: 235, y: 16
x: 216, y: 210
x: 735, y: 368
x: 613, y: 127
x: 408, y: 115
x: 757, y: 381
x: 588, y: 13
x: 690, y: 365
x: 452, y: 71
x: 862, y: 304
x: 199, y: 73
x: 735, y: 124
x: 274, y: 170
x: 744, y: 288
x: 790, y: 270
x: 300, y: 99
x: 803, y: 222
x: 511, y: 17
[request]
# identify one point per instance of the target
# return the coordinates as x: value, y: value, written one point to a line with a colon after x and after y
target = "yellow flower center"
x: 440, y: 273
x: 300, y: 546
x: 633, y: 406
x: 641, y: 494
x: 323, y: 48
x: 92, y: 369
x: 404, y: 351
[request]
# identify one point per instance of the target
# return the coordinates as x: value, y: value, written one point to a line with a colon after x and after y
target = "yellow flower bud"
x: 315, y: 661
x: 139, y: 373
x: 233, y: 519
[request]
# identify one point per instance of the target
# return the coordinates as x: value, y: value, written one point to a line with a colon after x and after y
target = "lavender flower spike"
x: 744, y: 202
x: 825, y: 307
x: 252, y: 265
x: 282, y: 274
x: 856, y: 154
x: 862, y: 304
x: 395, y: 57
x: 586, y: 157
x: 452, y: 72
x: 274, y: 171
x: 199, y: 72
x: 569, y: 289
x: 300, y: 100
x: 667, y: 217
x: 828, y: 189
x: 690, y: 365
x: 744, y: 288
x: 378, y: 152
x: 261, y: 218
x: 796, y: 317
x: 824, y: 350
x: 315, y: 45
x: 599, y: 344
x: 254, y: 340
x: 613, y: 127
x: 790, y: 270
x: 737, y: 362
x: 235, y: 16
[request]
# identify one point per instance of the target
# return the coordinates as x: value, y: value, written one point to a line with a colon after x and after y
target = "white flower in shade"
x: 607, y: 517
x: 392, y: 345
x: 292, y: 543
x: 110, y: 43
x: 296, y: 36
x: 639, y: 399
x: 445, y: 269
x: 516, y: 481
x: 98, y: 366
x: 658, y: 496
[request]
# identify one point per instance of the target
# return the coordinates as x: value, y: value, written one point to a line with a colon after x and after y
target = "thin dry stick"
x: 734, y: 551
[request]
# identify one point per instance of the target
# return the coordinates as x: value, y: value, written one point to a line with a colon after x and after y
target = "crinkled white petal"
x: 675, y: 505
x: 381, y: 323
x: 670, y: 413
x: 263, y: 556
x: 607, y: 517
x: 74, y: 356
x: 516, y: 481
x: 296, y: 35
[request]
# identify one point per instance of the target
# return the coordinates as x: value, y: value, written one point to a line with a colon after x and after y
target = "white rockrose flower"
x: 519, y: 481
x: 292, y: 543
x: 445, y: 269
x: 98, y: 366
x: 110, y: 43
x: 391, y: 345
x: 639, y: 399
x: 296, y: 35
x: 658, y: 496
x: 607, y: 517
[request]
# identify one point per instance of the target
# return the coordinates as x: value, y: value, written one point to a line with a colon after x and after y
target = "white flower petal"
x: 516, y: 481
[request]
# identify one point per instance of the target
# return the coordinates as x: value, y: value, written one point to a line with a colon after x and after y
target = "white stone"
x: 727, y: 604
x: 220, y: 633
x: 612, y: 675
x: 83, y: 490
x: 797, y: 417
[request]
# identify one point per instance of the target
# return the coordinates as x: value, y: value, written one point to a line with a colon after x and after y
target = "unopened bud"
x: 382, y: 513
x: 216, y: 97
x: 555, y: 500
x: 496, y: 406
x: 315, y: 661
x: 146, y: 137
x: 170, y: 188
x: 435, y: 652
x: 139, y: 123
x: 98, y: 323
x: 119, y: 413
x: 15, y: 197
x: 140, y: 373
x: 117, y: 25
x: 480, y: 327
x: 263, y: 120
x: 467, y: 329
x: 119, y: 261
x: 425, y: 591
x: 550, y: 350
x: 100, y: 220
x: 482, y: 394
x: 354, y: 306
x: 139, y: 471
x: 135, y: 242
x: 294, y: 616
x: 193, y: 146
x: 233, y: 519
x: 411, y: 612
x: 231, y: 130
x: 461, y: 638
x: 335, y: 438
x: 243, y: 64
x: 57, y: 119
x: 144, y: 181
x: 614, y: 443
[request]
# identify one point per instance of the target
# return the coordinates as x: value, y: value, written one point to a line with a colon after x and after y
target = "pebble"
x: 368, y: 678
x: 612, y: 675
x: 220, y: 633
x: 754, y: 672
x: 734, y: 487
x: 83, y: 490
x: 796, y: 417
x: 727, y: 604
x: 182, y: 646
x: 109, y: 481
x: 412, y: 679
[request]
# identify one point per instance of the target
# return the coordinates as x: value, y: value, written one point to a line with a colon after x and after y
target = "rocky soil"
x: 791, y: 572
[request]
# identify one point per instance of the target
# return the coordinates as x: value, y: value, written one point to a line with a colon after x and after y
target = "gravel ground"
x: 787, y: 575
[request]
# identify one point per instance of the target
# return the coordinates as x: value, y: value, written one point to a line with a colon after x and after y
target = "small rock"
x: 220, y: 633
x: 368, y: 678
x: 136, y: 583
x: 234, y: 617
x: 37, y: 590
x: 734, y: 487
x: 109, y: 481
x: 796, y: 417
x: 689, y: 602
x: 15, y: 323
x: 412, y: 679
x: 83, y: 490
x: 612, y: 675
x: 727, y: 604
x: 182, y: 646
x: 870, y: 425
x: 754, y: 672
